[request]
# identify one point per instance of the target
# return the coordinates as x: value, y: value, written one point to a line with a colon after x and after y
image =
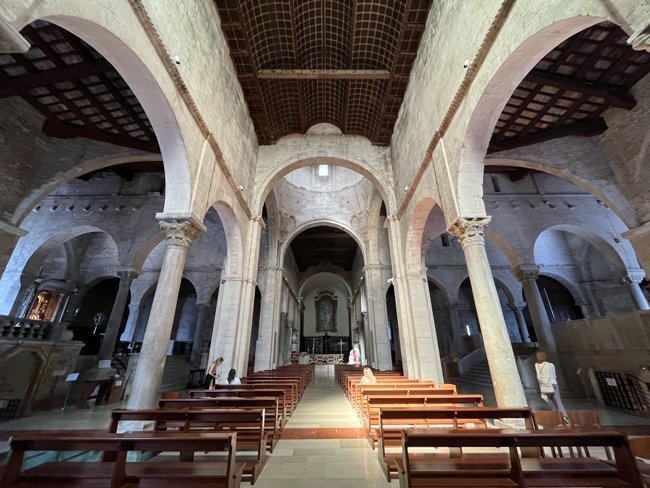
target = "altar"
x: 326, y: 358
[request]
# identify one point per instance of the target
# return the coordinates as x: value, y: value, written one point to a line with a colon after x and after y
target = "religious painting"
x: 44, y: 306
x: 325, y: 313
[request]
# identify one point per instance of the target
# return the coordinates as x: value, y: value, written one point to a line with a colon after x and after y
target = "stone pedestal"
x: 117, y: 312
x: 148, y: 375
x: 508, y: 389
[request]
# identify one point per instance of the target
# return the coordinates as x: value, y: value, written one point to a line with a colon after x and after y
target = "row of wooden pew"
x: 223, y: 437
x: 409, y: 421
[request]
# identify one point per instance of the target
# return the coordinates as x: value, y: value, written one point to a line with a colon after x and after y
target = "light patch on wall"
x: 323, y: 170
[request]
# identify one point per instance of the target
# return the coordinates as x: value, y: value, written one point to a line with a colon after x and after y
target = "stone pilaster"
x: 269, y: 320
x: 508, y: 389
x: 148, y: 375
x: 639, y: 237
x: 115, y: 319
x: 376, y: 322
x: 201, y: 313
x: 518, y: 309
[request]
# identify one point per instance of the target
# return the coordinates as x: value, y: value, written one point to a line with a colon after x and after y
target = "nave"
x: 335, y: 430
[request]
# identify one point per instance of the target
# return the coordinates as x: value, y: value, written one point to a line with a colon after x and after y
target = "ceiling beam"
x: 613, y: 97
x: 323, y: 74
x: 10, y: 87
x: 60, y: 130
x: 586, y: 128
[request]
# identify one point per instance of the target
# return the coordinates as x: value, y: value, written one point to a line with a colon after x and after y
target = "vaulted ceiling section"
x: 324, y: 245
x: 302, y: 62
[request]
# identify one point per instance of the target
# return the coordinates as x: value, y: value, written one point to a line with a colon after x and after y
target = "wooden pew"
x: 293, y: 395
x: 156, y: 472
x: 247, y: 391
x: 483, y: 470
x: 393, y: 420
x: 248, y: 424
x: 364, y: 391
x: 270, y: 405
x: 370, y: 420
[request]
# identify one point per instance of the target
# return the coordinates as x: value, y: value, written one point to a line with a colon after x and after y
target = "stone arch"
x: 334, y: 276
x: 513, y: 257
x: 120, y: 53
x: 443, y: 289
x: 282, y: 168
x: 50, y: 241
x: 324, y: 223
x: 572, y: 288
x: 145, y: 249
x: 234, y: 241
x: 493, y: 99
x: 37, y: 195
x: 618, y: 206
x: 413, y: 249
x: 607, y: 250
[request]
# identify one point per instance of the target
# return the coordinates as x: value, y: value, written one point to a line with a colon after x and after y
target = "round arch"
x: 415, y: 232
x: 625, y: 214
x: 142, y: 82
x: 233, y: 233
x: 607, y: 250
x: 324, y: 223
x: 572, y: 288
x: 495, y: 96
x: 37, y: 196
x: 282, y: 168
x: 304, y: 286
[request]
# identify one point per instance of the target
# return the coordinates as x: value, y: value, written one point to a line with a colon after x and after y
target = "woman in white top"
x: 548, y: 386
x: 232, y: 378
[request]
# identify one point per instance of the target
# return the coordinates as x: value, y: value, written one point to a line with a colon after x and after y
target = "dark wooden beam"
x: 10, y: 87
x: 587, y: 128
x: 323, y: 74
x: 613, y: 97
x: 60, y: 130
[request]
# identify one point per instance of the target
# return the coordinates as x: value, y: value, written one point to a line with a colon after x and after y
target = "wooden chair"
x: 551, y: 419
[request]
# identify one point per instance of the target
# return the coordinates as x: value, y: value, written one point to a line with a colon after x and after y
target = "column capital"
x: 127, y: 274
x: 391, y: 219
x: 526, y: 272
x: 469, y: 231
x: 640, y: 40
x: 180, y: 233
x: 634, y: 276
x: 258, y: 220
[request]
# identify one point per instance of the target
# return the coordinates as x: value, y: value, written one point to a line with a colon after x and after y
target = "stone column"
x: 269, y: 317
x: 527, y: 274
x: 9, y: 236
x: 132, y: 322
x: 455, y: 327
x: 201, y: 313
x: 113, y: 326
x: 518, y: 309
x: 376, y: 321
x: 426, y: 338
x: 282, y: 338
x: 508, y: 389
x: 633, y: 279
x: 151, y: 363
x: 406, y: 327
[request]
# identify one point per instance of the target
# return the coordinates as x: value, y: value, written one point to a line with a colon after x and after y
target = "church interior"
x: 342, y: 241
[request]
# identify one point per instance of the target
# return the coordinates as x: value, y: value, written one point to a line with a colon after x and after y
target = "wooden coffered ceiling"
x: 570, y: 88
x: 345, y: 62
x: 76, y: 89
x: 324, y: 245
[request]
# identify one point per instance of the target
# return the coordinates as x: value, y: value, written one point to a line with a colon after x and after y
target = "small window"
x: 495, y: 184
x: 445, y: 240
x: 323, y: 170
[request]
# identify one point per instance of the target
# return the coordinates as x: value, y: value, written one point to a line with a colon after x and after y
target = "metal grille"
x: 619, y: 391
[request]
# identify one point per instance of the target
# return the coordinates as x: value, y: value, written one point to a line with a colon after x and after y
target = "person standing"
x: 213, y: 374
x: 548, y: 386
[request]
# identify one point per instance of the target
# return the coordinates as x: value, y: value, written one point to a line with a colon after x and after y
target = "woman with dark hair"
x: 232, y: 377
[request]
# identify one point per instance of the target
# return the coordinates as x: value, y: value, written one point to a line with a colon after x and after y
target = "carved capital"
x: 634, y: 276
x: 640, y: 40
x: 470, y: 231
x: 526, y: 272
x: 179, y: 233
x: 127, y: 275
